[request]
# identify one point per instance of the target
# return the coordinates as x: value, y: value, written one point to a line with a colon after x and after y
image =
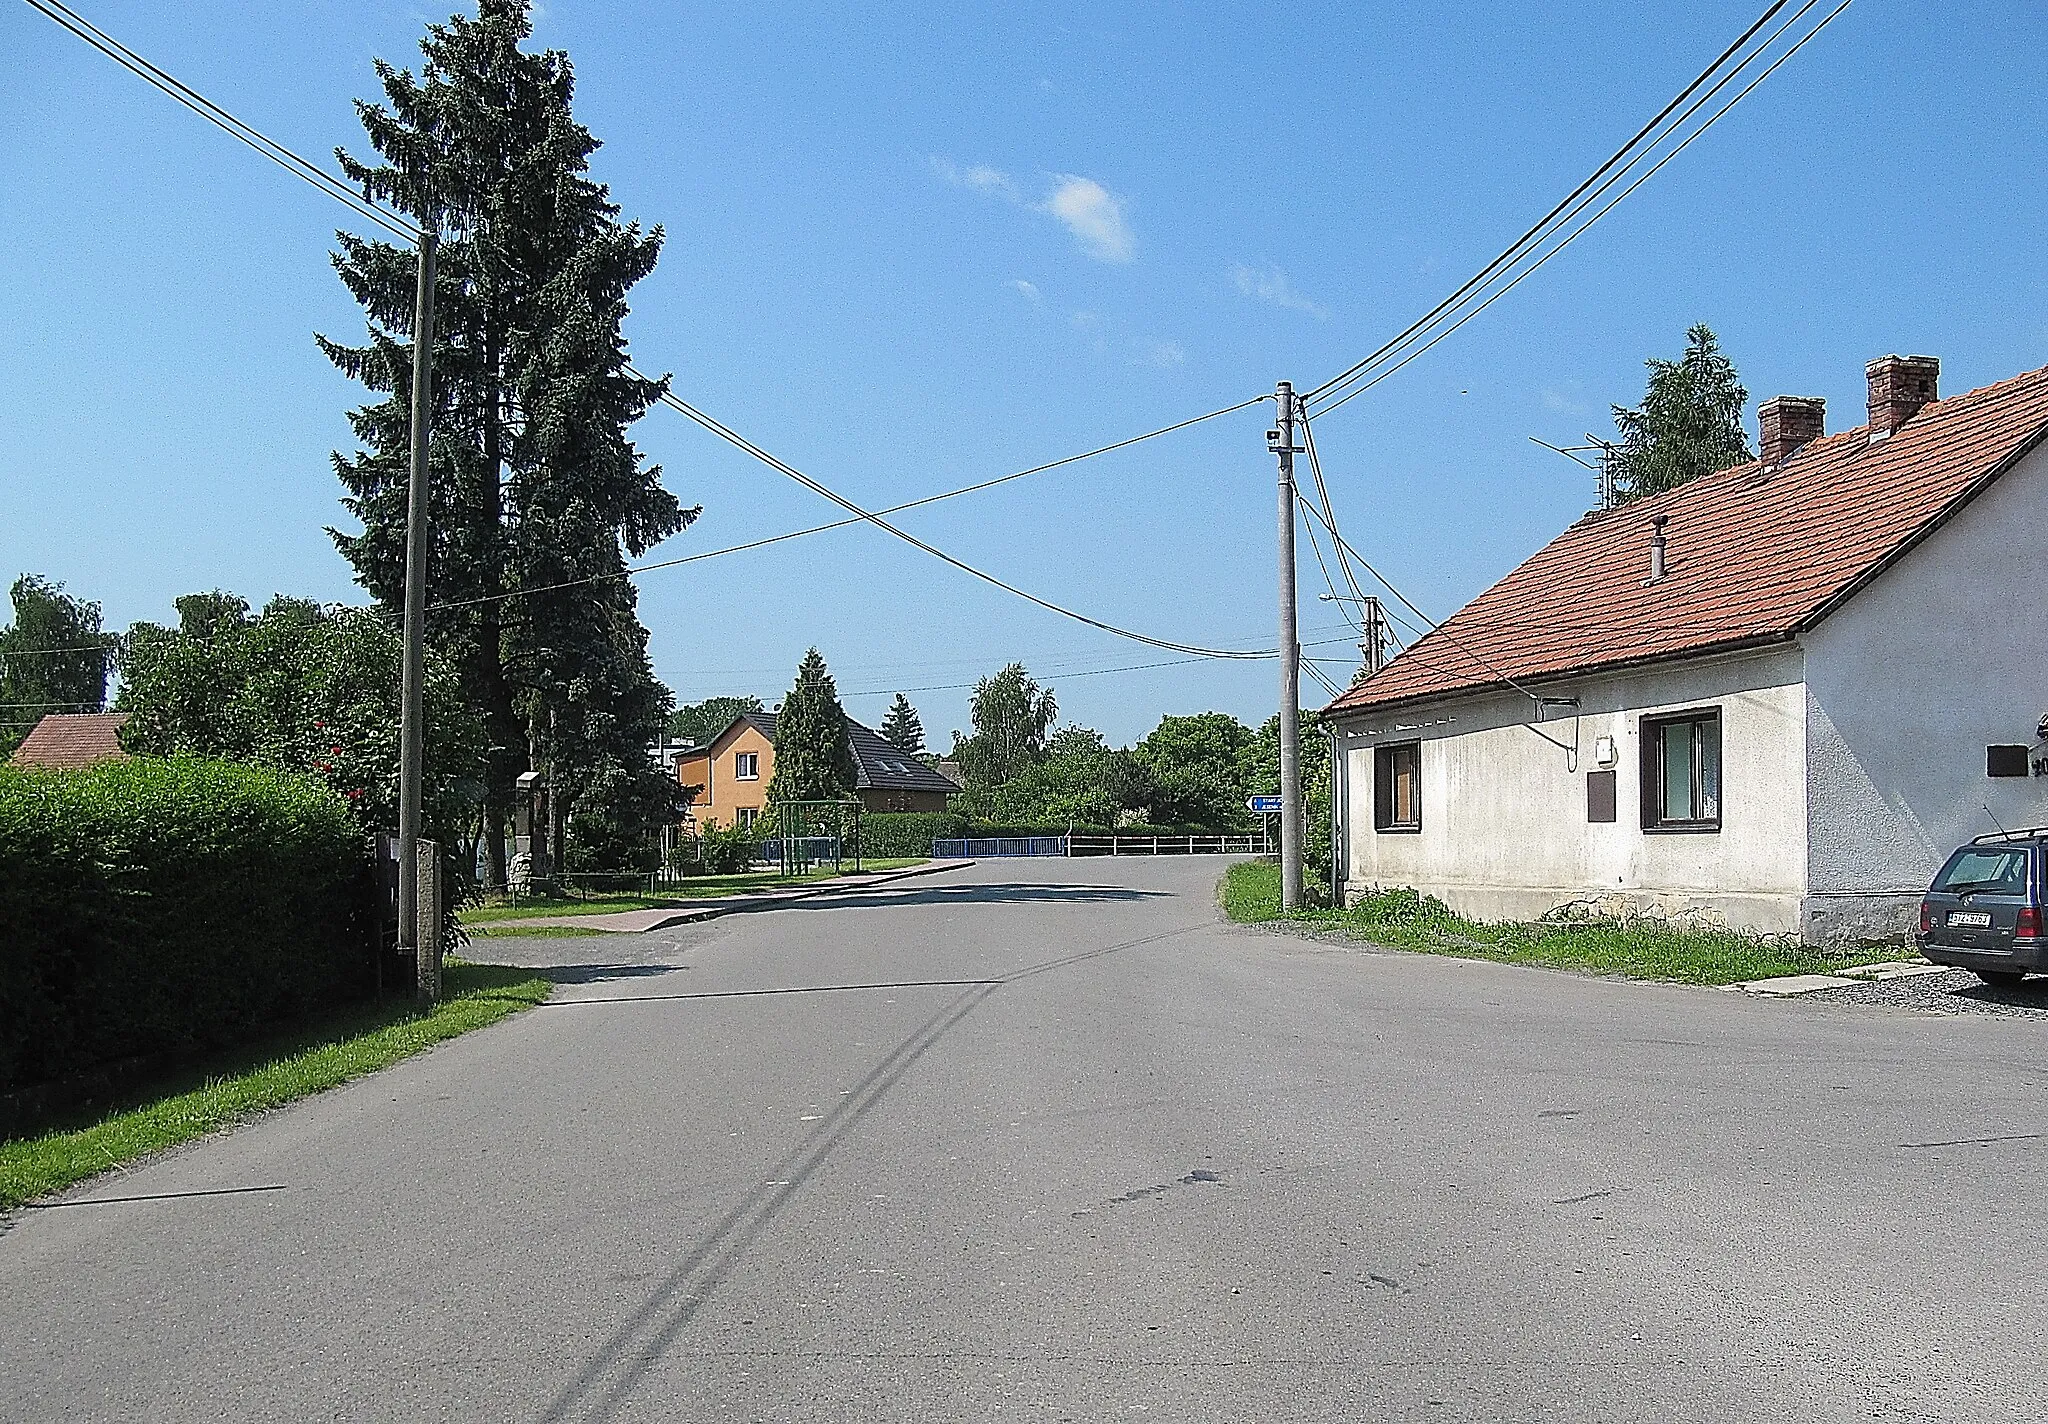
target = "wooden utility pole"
x: 1281, y: 442
x: 411, y: 717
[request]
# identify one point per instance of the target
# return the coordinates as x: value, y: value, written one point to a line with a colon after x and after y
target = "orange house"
x: 732, y: 772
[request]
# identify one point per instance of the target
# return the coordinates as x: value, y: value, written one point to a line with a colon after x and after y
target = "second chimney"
x: 1784, y: 423
x: 1899, y: 386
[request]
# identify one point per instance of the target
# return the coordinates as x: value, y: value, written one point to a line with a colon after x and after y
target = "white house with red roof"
x: 1775, y: 697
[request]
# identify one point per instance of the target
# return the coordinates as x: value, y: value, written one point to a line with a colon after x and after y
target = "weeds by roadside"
x: 356, y: 1042
x: 1640, y: 948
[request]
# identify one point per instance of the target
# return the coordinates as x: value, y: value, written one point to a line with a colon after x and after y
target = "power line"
x: 333, y: 187
x: 847, y: 522
x: 1712, y: 119
x: 301, y: 168
x: 1575, y: 203
x: 740, y: 442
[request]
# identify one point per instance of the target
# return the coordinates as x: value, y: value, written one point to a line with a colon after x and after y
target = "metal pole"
x: 411, y: 729
x: 1290, y: 666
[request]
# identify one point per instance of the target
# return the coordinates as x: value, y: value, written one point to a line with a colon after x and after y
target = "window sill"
x: 1397, y: 830
x: 1703, y: 828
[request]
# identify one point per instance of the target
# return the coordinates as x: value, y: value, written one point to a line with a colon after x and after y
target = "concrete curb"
x: 1792, y: 985
x: 642, y: 921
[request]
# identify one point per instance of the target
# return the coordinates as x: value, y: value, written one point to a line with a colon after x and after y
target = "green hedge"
x: 886, y: 834
x: 161, y: 906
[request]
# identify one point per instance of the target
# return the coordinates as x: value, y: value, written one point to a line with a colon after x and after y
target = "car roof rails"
x: 2030, y: 833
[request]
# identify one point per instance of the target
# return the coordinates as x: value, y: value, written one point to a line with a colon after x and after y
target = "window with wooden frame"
x: 1682, y: 772
x: 1397, y: 787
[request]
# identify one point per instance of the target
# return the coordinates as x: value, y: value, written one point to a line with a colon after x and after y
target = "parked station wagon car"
x: 1984, y: 911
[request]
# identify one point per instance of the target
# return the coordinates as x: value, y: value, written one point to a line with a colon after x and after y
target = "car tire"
x: 2000, y: 978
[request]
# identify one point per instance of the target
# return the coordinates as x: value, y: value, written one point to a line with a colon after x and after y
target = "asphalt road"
x: 1048, y: 1141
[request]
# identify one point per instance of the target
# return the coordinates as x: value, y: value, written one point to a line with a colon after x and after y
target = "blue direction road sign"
x: 1263, y: 805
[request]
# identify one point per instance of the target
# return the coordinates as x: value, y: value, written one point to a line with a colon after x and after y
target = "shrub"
x: 729, y: 850
x: 160, y: 906
x: 886, y: 834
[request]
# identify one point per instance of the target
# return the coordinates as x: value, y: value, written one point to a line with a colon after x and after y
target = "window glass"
x: 1397, y: 793
x: 2001, y: 872
x: 1678, y: 738
x: 1682, y: 772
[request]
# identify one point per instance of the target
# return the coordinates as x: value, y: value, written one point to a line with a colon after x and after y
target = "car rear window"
x: 1986, y: 868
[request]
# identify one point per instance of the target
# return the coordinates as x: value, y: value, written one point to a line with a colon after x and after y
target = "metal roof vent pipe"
x: 1657, y: 545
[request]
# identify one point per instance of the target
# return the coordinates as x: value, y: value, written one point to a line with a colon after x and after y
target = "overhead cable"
x: 850, y: 520
x: 1581, y: 198
x: 740, y: 442
x: 302, y: 168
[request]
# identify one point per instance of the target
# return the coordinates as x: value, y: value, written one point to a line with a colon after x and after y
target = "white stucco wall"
x: 1504, y: 829
x: 1944, y: 654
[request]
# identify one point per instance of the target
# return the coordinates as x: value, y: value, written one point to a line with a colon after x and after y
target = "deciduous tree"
x: 1012, y: 716
x: 53, y: 658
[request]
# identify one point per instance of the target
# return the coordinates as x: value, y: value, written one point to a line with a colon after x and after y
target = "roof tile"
x: 1754, y: 553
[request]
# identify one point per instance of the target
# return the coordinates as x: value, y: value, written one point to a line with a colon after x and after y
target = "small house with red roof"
x: 73, y: 739
x: 1774, y: 698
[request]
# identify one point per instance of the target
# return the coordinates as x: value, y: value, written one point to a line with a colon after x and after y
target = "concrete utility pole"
x: 1281, y: 442
x: 411, y: 717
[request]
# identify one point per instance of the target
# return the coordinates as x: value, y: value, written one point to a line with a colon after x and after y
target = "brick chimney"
x: 1784, y: 423
x: 1899, y: 386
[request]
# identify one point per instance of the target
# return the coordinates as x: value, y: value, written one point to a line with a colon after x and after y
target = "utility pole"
x: 1374, y: 647
x: 1281, y: 442
x: 411, y: 716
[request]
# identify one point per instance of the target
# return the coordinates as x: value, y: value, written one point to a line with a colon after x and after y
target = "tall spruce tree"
x: 535, y: 483
x: 52, y: 659
x: 1689, y: 424
x: 813, y: 755
x: 903, y: 727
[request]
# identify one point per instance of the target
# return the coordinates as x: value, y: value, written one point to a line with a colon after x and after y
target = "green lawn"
x: 697, y: 888
x: 344, y: 1046
x: 1639, y: 948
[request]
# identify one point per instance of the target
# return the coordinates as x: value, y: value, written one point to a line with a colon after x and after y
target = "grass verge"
x: 1637, y: 948
x: 697, y: 888
x: 202, y: 1099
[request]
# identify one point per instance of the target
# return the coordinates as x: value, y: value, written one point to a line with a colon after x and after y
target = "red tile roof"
x: 1755, y: 554
x: 73, y: 739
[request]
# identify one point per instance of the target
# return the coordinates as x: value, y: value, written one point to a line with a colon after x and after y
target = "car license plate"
x: 1970, y: 919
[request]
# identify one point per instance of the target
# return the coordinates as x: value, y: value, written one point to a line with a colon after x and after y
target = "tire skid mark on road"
x: 598, y: 1389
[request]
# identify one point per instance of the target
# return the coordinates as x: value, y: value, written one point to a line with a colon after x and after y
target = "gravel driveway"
x: 1956, y: 992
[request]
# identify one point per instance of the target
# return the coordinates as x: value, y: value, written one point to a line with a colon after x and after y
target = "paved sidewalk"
x: 641, y: 921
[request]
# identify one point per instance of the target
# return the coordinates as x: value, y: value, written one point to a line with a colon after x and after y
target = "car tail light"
x: 1926, y: 916
x: 2029, y: 925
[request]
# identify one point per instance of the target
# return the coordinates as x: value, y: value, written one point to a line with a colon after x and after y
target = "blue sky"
x: 917, y: 246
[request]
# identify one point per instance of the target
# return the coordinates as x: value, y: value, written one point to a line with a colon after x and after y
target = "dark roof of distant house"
x: 73, y: 739
x: 879, y: 764
x: 1756, y: 554
x: 884, y: 766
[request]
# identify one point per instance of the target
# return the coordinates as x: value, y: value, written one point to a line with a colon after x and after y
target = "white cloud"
x: 1084, y: 319
x: 1270, y: 284
x: 1566, y: 401
x: 1165, y: 353
x: 978, y: 178
x: 1093, y: 214
x: 1087, y: 209
x: 1027, y: 290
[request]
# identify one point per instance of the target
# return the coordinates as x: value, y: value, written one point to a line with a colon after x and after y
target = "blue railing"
x: 998, y: 848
